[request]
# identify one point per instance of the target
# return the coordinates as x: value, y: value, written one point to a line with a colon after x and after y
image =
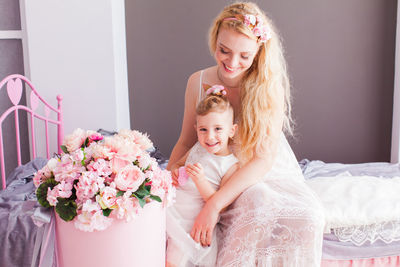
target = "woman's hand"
x: 175, y: 174
x: 204, y: 224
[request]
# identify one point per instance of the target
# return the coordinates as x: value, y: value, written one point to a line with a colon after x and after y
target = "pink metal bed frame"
x: 14, y: 90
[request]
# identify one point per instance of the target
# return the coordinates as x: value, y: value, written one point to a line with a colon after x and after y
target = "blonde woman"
x: 271, y: 217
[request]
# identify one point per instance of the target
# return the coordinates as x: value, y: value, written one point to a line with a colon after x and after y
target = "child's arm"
x: 196, y: 172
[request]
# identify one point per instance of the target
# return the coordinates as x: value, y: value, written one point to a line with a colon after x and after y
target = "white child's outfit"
x: 182, y: 250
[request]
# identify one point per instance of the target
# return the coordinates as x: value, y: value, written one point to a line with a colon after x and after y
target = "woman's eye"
x: 202, y: 129
x: 223, y: 51
x: 245, y: 57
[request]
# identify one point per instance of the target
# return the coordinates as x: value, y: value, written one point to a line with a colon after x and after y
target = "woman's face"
x: 234, y: 53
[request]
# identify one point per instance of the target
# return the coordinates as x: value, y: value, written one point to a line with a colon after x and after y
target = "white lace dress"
x: 277, y: 222
x: 182, y: 250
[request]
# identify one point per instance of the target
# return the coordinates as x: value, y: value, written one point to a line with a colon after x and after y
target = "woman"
x: 274, y: 219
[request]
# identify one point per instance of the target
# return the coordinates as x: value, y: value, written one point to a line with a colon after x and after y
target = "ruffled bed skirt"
x: 391, y: 261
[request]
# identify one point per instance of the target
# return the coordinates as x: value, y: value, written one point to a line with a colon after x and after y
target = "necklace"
x: 227, y: 85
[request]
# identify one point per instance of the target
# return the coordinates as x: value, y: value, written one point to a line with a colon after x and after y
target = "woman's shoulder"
x: 206, y: 74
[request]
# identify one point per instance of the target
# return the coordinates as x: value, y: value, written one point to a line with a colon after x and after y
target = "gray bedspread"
x: 17, y: 204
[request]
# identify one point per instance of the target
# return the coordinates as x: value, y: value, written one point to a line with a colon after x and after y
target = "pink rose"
x: 129, y: 178
x: 127, y: 207
x: 145, y: 161
x: 95, y: 136
x: 91, y: 218
x: 117, y: 164
x: 107, y: 197
x: 75, y: 140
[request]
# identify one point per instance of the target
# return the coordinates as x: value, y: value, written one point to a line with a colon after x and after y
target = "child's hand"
x: 195, y: 171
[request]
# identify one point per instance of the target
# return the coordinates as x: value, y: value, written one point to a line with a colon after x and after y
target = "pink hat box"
x: 139, y: 242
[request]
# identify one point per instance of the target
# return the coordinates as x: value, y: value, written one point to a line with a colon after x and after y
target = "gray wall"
x: 11, y: 61
x: 341, y: 63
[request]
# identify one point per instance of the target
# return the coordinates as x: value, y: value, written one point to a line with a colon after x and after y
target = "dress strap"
x: 200, y: 97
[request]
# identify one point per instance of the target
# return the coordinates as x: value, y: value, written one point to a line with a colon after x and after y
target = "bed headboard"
x: 14, y: 84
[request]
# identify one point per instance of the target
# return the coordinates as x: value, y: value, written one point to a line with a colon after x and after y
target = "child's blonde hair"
x: 263, y: 84
x: 214, y: 103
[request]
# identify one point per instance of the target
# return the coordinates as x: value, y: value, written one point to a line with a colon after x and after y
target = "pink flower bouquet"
x: 98, y: 179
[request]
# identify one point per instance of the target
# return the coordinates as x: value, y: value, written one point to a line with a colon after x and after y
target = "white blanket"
x: 357, y: 200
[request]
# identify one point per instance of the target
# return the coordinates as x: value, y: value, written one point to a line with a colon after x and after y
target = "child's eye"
x: 245, y: 57
x: 218, y: 128
x: 203, y: 130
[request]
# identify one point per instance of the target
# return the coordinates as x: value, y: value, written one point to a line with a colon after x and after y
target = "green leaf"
x: 66, y: 209
x: 41, y: 191
x: 142, y: 192
x: 85, y: 144
x: 156, y: 198
x: 120, y: 193
x: 64, y: 149
x: 84, y: 157
x: 142, y: 202
x: 106, y: 212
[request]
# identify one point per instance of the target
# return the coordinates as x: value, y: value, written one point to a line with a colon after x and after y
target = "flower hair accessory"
x: 256, y: 25
x: 216, y: 90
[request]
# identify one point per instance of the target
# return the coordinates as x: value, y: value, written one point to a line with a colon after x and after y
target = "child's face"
x: 214, y: 131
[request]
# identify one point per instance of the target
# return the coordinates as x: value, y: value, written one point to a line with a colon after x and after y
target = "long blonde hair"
x: 262, y: 85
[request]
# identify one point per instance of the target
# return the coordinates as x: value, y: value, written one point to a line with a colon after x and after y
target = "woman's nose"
x: 233, y: 61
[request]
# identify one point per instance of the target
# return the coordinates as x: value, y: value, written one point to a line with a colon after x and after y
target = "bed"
x: 22, y: 239
x: 350, y: 238
x: 19, y: 235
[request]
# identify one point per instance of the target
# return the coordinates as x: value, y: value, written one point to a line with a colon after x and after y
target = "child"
x: 209, y: 163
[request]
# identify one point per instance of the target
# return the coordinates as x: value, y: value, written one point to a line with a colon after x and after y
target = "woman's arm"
x: 187, y: 136
x: 246, y: 176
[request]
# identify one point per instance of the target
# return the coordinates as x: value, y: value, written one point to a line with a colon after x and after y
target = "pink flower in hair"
x: 257, y: 31
x: 250, y: 20
x: 216, y: 90
x: 265, y: 33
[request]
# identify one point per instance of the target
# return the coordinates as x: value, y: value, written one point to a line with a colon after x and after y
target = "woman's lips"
x: 228, y: 69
